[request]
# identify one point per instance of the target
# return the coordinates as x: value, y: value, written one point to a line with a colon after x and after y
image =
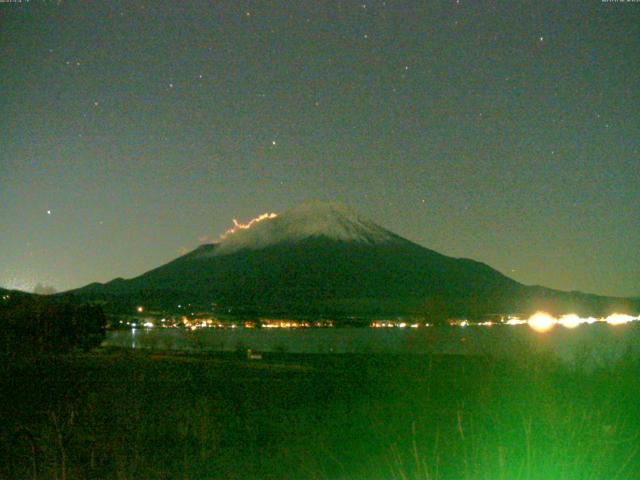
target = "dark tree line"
x: 33, y: 324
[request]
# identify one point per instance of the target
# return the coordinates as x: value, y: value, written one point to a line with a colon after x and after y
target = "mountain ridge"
x: 325, y: 259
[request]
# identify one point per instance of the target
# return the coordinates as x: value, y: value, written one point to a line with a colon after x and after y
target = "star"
x: 274, y: 143
x: 48, y: 212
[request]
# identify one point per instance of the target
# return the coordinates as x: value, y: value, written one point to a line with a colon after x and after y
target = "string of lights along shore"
x: 505, y: 132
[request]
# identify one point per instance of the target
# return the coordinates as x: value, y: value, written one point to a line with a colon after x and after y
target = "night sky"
x: 507, y: 132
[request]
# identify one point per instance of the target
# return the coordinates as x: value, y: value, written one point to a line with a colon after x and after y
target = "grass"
x: 130, y: 416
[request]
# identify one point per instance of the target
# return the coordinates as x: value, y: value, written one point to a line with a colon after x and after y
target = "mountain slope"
x: 325, y: 259
x: 327, y: 220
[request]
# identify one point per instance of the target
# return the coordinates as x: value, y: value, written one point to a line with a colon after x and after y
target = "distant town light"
x: 515, y: 321
x: 541, y: 322
x: 619, y: 319
x: 571, y: 320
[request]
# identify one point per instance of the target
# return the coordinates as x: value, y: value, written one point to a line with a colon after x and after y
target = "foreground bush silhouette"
x: 38, y: 324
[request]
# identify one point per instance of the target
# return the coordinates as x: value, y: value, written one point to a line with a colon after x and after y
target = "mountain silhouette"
x: 325, y: 259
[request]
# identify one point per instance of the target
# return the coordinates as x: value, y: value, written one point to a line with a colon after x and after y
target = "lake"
x: 599, y: 343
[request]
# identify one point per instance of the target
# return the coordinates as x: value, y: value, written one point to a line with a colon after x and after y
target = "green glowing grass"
x: 322, y: 417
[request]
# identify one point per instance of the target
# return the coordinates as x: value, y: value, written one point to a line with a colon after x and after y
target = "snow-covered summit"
x: 314, y: 219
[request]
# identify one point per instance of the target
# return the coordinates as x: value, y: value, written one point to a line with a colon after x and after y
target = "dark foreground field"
x: 138, y: 416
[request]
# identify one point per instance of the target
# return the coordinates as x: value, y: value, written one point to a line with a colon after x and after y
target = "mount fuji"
x: 325, y: 259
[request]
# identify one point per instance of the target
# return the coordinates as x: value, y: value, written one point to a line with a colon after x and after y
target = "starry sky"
x: 507, y: 132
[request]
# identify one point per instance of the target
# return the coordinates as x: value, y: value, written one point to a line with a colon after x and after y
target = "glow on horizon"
x: 542, y: 322
x: 620, y: 319
x: 515, y: 321
x: 571, y: 320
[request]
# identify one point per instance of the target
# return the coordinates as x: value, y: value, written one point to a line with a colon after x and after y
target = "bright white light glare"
x: 571, y: 320
x: 541, y: 322
x: 619, y: 319
x: 147, y: 324
x: 464, y: 323
x: 515, y: 321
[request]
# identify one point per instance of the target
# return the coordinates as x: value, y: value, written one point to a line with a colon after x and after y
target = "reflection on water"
x: 598, y: 342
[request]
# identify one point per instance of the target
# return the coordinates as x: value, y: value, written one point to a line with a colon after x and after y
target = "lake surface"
x: 593, y: 344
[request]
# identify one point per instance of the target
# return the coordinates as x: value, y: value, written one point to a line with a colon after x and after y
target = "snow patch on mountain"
x: 329, y: 220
